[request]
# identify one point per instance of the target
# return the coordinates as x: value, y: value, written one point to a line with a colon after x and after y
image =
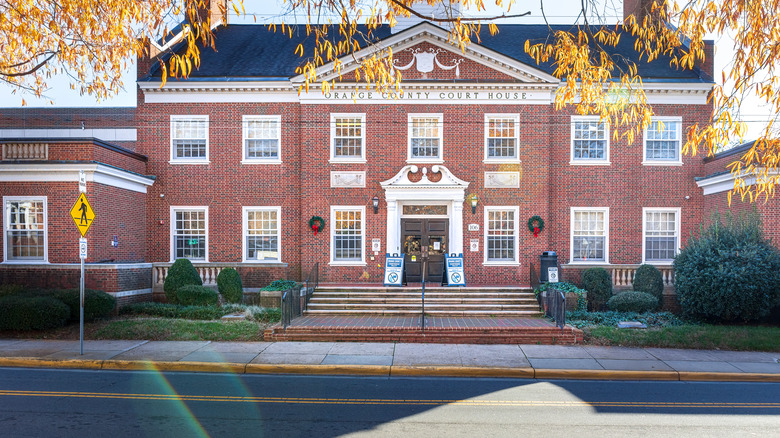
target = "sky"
x: 265, y: 11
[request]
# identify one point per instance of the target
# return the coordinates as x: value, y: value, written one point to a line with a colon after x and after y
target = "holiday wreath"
x: 316, y: 223
x: 536, y: 225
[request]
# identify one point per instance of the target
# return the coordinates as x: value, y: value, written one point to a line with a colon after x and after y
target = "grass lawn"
x: 165, y: 329
x: 706, y: 337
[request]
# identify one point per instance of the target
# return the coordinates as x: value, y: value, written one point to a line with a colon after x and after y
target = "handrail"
x: 555, y: 305
x: 296, y: 299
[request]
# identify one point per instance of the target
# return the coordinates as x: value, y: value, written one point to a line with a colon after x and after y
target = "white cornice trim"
x: 725, y: 182
x: 105, y: 134
x: 69, y: 172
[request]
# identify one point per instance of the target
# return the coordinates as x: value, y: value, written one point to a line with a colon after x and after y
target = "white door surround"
x: 445, y: 189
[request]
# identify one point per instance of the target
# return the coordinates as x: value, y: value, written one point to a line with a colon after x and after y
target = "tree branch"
x: 453, y: 20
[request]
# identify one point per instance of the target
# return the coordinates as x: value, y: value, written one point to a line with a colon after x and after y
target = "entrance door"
x: 419, y: 233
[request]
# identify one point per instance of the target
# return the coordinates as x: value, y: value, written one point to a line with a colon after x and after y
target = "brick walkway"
x: 414, y: 321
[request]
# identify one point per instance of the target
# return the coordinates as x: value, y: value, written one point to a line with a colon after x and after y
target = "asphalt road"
x: 85, y: 403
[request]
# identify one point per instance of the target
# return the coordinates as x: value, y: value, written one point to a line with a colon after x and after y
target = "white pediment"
x: 419, y: 177
x: 427, y: 32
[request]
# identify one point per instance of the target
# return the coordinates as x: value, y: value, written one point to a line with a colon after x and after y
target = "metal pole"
x: 423, y: 294
x: 81, y: 310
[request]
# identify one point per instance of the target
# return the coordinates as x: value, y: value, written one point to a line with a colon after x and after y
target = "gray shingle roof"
x: 255, y: 52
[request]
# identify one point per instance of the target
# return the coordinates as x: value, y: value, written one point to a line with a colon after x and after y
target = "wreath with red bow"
x: 535, y: 225
x: 316, y: 223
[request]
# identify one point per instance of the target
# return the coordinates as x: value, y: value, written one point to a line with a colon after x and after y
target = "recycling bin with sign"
x: 548, y: 259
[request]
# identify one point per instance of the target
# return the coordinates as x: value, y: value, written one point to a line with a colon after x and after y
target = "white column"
x: 393, y: 239
x: 456, y: 227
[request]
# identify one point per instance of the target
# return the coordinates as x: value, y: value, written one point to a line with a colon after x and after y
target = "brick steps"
x: 439, y: 301
x: 512, y: 335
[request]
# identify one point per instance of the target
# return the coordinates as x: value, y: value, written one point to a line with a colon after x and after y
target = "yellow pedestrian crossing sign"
x: 82, y: 214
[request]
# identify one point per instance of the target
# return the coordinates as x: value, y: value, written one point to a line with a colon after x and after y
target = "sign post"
x: 453, y: 270
x: 83, y: 216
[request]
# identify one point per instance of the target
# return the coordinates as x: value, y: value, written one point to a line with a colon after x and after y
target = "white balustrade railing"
x: 623, y: 275
x: 25, y: 151
x: 208, y: 272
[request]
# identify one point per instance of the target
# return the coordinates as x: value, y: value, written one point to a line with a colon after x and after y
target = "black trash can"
x: 548, y: 259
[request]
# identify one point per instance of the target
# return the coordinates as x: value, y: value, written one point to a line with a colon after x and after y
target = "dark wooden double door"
x: 418, y: 235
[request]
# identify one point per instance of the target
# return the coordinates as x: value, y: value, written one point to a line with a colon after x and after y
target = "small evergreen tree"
x: 180, y: 274
x: 598, y: 283
x: 648, y: 279
x: 230, y: 286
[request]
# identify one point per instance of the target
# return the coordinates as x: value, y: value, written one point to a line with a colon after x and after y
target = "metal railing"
x: 295, y: 300
x: 555, y: 305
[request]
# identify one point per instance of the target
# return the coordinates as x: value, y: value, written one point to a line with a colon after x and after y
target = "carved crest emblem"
x: 425, y: 61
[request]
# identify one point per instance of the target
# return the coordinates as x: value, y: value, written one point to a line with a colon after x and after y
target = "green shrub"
x: 194, y: 295
x: 582, y: 303
x: 263, y: 314
x: 632, y: 301
x: 97, y: 304
x: 582, y: 319
x: 598, y: 283
x: 280, y: 285
x: 19, y: 312
x: 166, y: 310
x: 729, y: 272
x: 181, y: 273
x: 11, y: 289
x: 648, y: 279
x: 229, y: 285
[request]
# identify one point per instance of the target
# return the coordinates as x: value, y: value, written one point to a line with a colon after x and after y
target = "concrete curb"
x: 387, y: 370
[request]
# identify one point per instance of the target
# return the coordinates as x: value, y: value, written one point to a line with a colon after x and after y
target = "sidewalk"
x: 398, y: 359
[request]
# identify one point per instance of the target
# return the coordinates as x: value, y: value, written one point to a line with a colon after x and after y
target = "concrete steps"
x: 439, y: 301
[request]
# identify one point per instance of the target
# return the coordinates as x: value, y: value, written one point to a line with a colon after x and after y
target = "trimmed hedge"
x: 97, y: 304
x: 195, y: 295
x: 166, y: 310
x: 280, y: 285
x: 181, y: 273
x: 598, y: 283
x: 11, y: 289
x: 582, y: 302
x: 229, y: 285
x: 632, y: 301
x: 730, y: 273
x: 648, y: 279
x: 19, y: 312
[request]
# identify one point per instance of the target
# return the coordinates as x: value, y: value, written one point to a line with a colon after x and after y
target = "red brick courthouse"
x: 229, y: 167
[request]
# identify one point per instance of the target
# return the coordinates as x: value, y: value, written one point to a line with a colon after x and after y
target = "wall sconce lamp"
x: 375, y: 204
x: 473, y: 200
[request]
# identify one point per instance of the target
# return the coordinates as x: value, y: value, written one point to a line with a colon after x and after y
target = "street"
x: 44, y: 402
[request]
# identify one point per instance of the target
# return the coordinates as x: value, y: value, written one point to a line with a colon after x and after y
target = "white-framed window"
x: 660, y: 235
x: 189, y: 233
x: 348, y: 137
x: 501, y: 233
x: 347, y: 230
x: 26, y: 233
x: 261, y: 235
x: 663, y: 142
x: 425, y: 138
x: 501, y: 137
x: 589, y: 235
x: 589, y: 141
x: 190, y: 139
x: 262, y: 139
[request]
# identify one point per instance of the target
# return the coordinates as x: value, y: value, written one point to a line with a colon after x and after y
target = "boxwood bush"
x: 729, y: 273
x: 18, y: 312
x: 598, y: 283
x: 280, y: 285
x: 229, y: 285
x: 632, y: 301
x: 195, y: 295
x: 181, y: 273
x: 648, y: 279
x: 582, y: 303
x: 167, y: 310
x: 97, y: 304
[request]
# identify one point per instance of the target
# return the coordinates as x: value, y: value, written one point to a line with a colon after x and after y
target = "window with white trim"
x: 663, y: 138
x: 589, y: 234
x: 425, y: 137
x: 189, y: 138
x: 347, y: 234
x: 589, y: 141
x: 25, y: 229
x: 262, y: 139
x: 261, y: 233
x: 501, y: 234
x: 661, y: 234
x: 347, y: 137
x: 189, y: 233
x: 501, y: 137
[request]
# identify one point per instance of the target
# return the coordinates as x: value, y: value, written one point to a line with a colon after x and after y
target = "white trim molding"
x: 334, y: 117
x: 724, y: 182
x: 348, y: 208
x: 188, y: 118
x: 105, y: 134
x: 677, y: 161
x: 411, y: 117
x: 605, y: 211
x: 245, y: 229
x: 69, y: 172
x: 515, y: 118
x: 515, y: 232
x: 245, y: 120
x: 589, y: 161
x: 172, y: 232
